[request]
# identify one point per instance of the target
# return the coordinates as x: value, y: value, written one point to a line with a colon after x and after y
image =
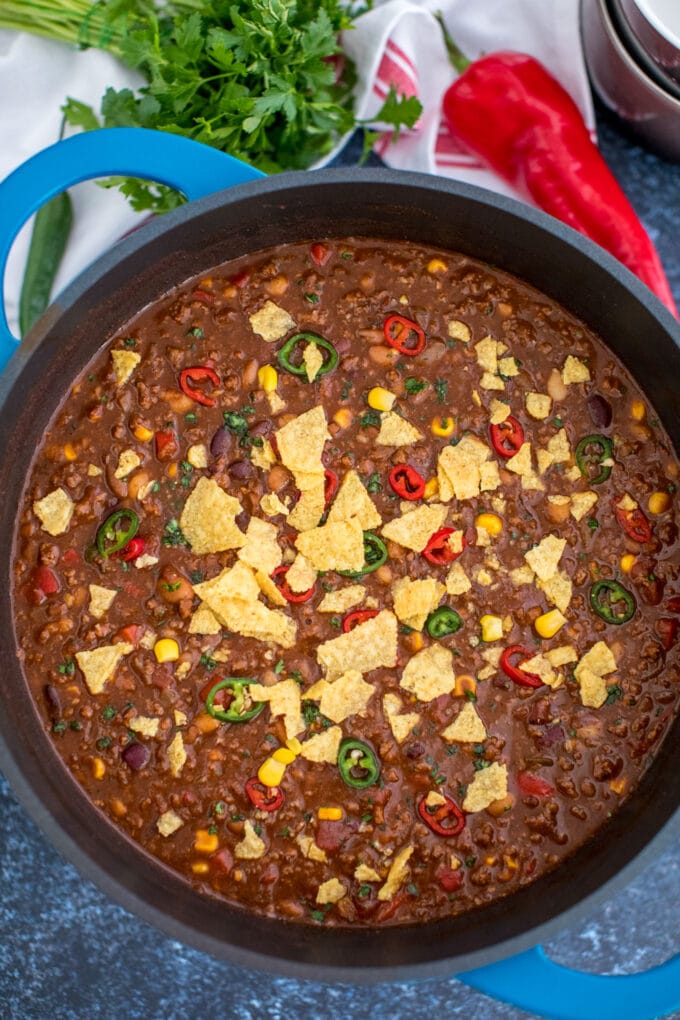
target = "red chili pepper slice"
x: 330, y: 486
x: 279, y: 579
x: 356, y: 617
x: 516, y: 674
x: 435, y: 817
x: 189, y: 376
x: 507, y: 437
x: 534, y: 785
x: 634, y: 523
x: 320, y: 253
x: 399, y: 332
x: 132, y: 550
x: 406, y: 481
x: 266, y: 798
x: 438, y: 549
x: 166, y: 445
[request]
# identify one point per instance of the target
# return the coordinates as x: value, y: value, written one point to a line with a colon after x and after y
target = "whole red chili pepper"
x: 438, y: 549
x: 447, y: 812
x: 634, y: 523
x: 356, y: 617
x: 507, y: 109
x: 189, y: 376
x: 507, y: 437
x: 405, y: 335
x: 406, y: 481
x: 279, y: 579
x: 514, y: 672
x: 265, y: 798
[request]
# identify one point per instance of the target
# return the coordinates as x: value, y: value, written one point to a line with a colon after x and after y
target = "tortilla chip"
x: 300, y: 443
x: 263, y: 456
x: 558, y: 447
x: 331, y: 891
x: 270, y: 589
x: 54, y: 511
x: 487, y: 786
x: 312, y: 359
x: 168, y: 823
x: 232, y: 596
x: 429, y: 673
x: 124, y: 364
x: 309, y: 508
x: 100, y: 664
x: 542, y: 667
x: 599, y: 659
x: 127, y: 462
x: 197, y: 455
x: 467, y: 727
x: 301, y: 576
x: 271, y: 505
x: 489, y: 381
x: 310, y: 850
x: 204, y: 621
x: 342, y: 599
x: 284, y: 699
x: 346, y: 696
x: 582, y: 503
x: 338, y: 546
x: 627, y: 503
x: 498, y: 411
x: 415, y: 528
x: 459, y: 467
x: 457, y: 581
x: 544, y: 459
x: 276, y: 403
x: 522, y: 575
x: 101, y: 600
x: 520, y: 464
x: 235, y: 583
x: 558, y: 590
x: 538, y: 405
x: 322, y: 747
x: 396, y: 431
x: 272, y: 322
x: 508, y: 367
x: 397, y: 874
x: 353, y: 500
x: 251, y: 847
x: 368, y: 646
x: 487, y: 354
x: 545, y: 557
x: 561, y: 656
x: 261, y: 550
x: 363, y: 873
x: 458, y: 330
x: 415, y: 600
x: 574, y: 371
x: 593, y: 688
x: 177, y: 756
x: 401, y: 725
x: 145, y: 725
x: 208, y: 519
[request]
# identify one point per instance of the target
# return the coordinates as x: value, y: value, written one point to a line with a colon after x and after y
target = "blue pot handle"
x: 533, y: 982
x: 190, y: 167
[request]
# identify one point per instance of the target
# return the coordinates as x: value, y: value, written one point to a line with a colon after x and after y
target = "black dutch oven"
x: 225, y: 225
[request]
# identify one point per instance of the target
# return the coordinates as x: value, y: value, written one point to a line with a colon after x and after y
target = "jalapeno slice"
x: 591, y: 453
x: 442, y: 622
x: 285, y: 355
x: 358, y: 764
x: 611, y: 601
x: 375, y: 554
x: 116, y: 531
x: 237, y: 710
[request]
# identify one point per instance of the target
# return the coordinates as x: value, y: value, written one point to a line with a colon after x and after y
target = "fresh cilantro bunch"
x: 258, y: 79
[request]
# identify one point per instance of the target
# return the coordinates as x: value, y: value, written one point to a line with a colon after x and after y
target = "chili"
x: 236, y: 711
x: 507, y: 437
x: 611, y: 601
x: 51, y: 230
x: 405, y: 335
x: 591, y: 454
x: 406, y: 481
x: 358, y: 764
x: 265, y: 798
x: 438, y: 549
x: 634, y: 523
x: 294, y: 597
x: 113, y: 535
x: 285, y: 355
x: 375, y: 554
x: 330, y: 487
x: 514, y: 672
x: 356, y: 617
x: 189, y: 376
x: 509, y: 110
x: 436, y: 816
x: 131, y: 551
x: 442, y: 622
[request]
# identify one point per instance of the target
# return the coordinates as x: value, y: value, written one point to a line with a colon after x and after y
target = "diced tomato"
x: 42, y: 583
x: 70, y: 558
x: 222, y: 862
x: 534, y: 785
x: 320, y: 253
x: 132, y: 634
x: 167, y: 446
x: 449, y: 880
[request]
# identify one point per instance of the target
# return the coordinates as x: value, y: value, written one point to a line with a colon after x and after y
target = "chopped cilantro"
x: 614, y: 693
x: 75, y: 724
x: 108, y: 713
x: 318, y: 915
x: 593, y: 523
x: 310, y: 711
x: 370, y: 419
x: 441, y: 388
x: 373, y: 483
x: 285, y: 832
x: 130, y: 341
x: 346, y: 255
x: 312, y: 298
x: 470, y: 862
x: 67, y: 667
x: 364, y: 891
x: 196, y: 576
x: 219, y: 808
x: 103, y: 743
x: 296, y: 675
x: 558, y: 423
x: 336, y: 621
x: 413, y: 889
x: 195, y: 331
x: 212, y: 830
x: 347, y: 387
x: 278, y: 668
x: 190, y: 417
x: 470, y: 695
x: 173, y: 534
x: 59, y: 727
x: 207, y: 662
x: 171, y: 587
x: 413, y: 385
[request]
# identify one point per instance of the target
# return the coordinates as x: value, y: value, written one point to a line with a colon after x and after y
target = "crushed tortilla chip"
x: 458, y: 330
x: 270, y: 589
x: 627, y: 503
x: 520, y: 464
x: 353, y: 500
x: 364, y: 873
x: 271, y: 505
x: 310, y: 850
x: 522, y: 575
x: 263, y: 456
x: 467, y: 727
x: 396, y: 431
x: 338, y: 546
x: 127, y: 462
x: 124, y: 364
x: 147, y: 726
x: 499, y: 411
x: 301, y: 576
x: 343, y: 599
x: 429, y: 673
x: 599, y: 658
x: 251, y: 847
x: 544, y: 460
x: 204, y: 621
x: 261, y: 551
x: 301, y: 441
x: 582, y: 503
x: 346, y: 696
x: 590, y: 672
x: 415, y: 600
x: 487, y: 786
x: 313, y: 360
x: 545, y: 557
x: 401, y: 725
x: 558, y: 447
x: 397, y: 874
x: 415, y: 528
x: 168, y: 823
x: 197, y: 455
x: 457, y: 581
x: 561, y: 656
x: 592, y: 687
x: 508, y: 367
x: 208, y: 519
x: 99, y: 665
x: 459, y: 468
x: 331, y: 891
x: 489, y: 381
x: 177, y: 756
x: 101, y: 600
x: 272, y: 322
x: 574, y: 371
x: 322, y: 747
x: 233, y: 595
x: 558, y: 590
x: 542, y: 667
x: 54, y: 511
x: 538, y: 405
x: 284, y: 699
x: 487, y: 354
x: 276, y: 403
x: 235, y: 583
x: 367, y: 646
x: 309, y: 508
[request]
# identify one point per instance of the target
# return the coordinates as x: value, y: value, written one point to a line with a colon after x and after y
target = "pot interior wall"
x: 138, y: 271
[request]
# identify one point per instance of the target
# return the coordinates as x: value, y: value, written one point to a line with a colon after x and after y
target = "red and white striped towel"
x: 400, y: 43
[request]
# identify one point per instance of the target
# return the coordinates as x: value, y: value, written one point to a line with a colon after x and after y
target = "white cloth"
x: 398, y: 42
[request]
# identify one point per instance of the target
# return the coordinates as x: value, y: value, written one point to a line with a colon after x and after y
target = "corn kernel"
x: 268, y: 378
x: 270, y: 772
x: 200, y: 867
x: 659, y: 502
x: 627, y: 563
x: 207, y: 283
x: 284, y: 755
x: 490, y: 861
x: 329, y: 814
x: 548, y: 624
x: 637, y: 410
x: 618, y: 785
x: 70, y: 452
x: 442, y: 426
x: 465, y: 684
x: 205, y: 842
x: 172, y: 470
x: 416, y: 641
x: 142, y: 433
x: 490, y: 522
x: 343, y: 417
x: 381, y: 399
x: 511, y: 862
x: 431, y: 488
x: 118, y: 807
x: 98, y: 768
x: 166, y: 650
x: 294, y: 744
x: 492, y: 627
x: 435, y: 266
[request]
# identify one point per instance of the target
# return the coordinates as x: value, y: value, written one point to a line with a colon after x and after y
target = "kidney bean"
x: 53, y: 702
x: 136, y: 755
x: 600, y: 411
x: 241, y: 469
